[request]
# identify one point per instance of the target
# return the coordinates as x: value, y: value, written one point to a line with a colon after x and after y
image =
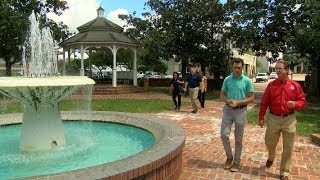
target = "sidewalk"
x: 204, y: 155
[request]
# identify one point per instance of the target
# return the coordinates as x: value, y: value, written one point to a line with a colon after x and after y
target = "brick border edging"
x: 161, y: 161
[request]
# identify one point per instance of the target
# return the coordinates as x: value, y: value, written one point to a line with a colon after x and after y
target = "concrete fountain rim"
x: 12, y: 82
x: 170, y: 140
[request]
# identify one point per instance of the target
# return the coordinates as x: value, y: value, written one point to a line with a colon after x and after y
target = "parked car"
x: 273, y: 75
x: 151, y: 74
x: 262, y: 77
x: 140, y: 75
x: 169, y: 76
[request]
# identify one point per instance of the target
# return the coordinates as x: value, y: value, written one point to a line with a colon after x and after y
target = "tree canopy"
x: 291, y: 27
x: 189, y: 31
x: 14, y: 25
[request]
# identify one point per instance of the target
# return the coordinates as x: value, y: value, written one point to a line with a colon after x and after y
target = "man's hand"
x: 291, y: 104
x: 261, y: 122
x: 233, y: 103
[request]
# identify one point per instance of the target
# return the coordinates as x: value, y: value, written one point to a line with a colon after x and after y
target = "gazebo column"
x: 90, y: 65
x: 114, y: 50
x: 82, y: 61
x: 135, y: 81
x: 64, y: 62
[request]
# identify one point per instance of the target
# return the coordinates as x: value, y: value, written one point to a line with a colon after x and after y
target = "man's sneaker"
x: 228, y: 163
x: 235, y: 167
x: 269, y: 163
x: 194, y: 111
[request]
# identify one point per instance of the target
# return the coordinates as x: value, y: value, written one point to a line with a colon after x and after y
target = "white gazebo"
x: 101, y: 33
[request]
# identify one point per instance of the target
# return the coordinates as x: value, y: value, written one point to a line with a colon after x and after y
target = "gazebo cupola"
x: 100, y: 12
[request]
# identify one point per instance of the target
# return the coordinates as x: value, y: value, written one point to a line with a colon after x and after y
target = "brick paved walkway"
x: 204, y: 156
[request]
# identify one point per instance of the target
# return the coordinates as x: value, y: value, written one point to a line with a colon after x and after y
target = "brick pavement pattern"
x: 204, y: 156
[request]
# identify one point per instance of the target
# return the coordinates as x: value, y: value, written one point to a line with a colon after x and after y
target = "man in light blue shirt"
x: 237, y: 92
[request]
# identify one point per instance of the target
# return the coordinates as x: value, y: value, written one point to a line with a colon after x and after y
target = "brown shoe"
x: 194, y: 111
x: 228, y: 163
x: 284, y: 177
x: 269, y: 163
x: 235, y: 167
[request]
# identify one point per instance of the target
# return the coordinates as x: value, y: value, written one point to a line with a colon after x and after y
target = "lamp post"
x: 291, y: 68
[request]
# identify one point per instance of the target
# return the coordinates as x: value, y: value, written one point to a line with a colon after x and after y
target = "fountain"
x: 42, y: 124
x: 42, y: 129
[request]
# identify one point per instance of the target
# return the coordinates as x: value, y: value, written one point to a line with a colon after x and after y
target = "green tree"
x: 11, y: 37
x: 190, y: 30
x: 102, y: 58
x: 307, y: 40
x: 14, y: 23
x: 278, y: 26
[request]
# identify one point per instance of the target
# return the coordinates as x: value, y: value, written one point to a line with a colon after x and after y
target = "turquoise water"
x: 87, y: 144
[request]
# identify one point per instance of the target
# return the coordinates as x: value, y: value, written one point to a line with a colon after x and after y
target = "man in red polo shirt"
x: 283, y: 96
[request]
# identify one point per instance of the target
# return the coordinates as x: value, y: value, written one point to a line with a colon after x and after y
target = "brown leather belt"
x: 238, y: 107
x: 282, y: 115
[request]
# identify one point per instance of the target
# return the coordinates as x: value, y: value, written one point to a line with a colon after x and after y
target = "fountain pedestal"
x: 42, y: 128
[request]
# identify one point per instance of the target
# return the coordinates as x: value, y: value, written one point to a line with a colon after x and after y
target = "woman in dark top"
x: 176, y: 90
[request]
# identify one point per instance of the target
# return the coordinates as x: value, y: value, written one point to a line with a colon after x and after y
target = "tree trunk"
x: 315, y: 77
x: 7, y: 59
x: 183, y: 68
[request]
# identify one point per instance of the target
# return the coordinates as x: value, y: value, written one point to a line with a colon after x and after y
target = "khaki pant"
x: 193, y: 93
x: 286, y: 126
x: 237, y: 117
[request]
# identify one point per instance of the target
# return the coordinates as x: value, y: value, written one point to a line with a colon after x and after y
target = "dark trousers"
x: 201, y: 97
x: 174, y: 98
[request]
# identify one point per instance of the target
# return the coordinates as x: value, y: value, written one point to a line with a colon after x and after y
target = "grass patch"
x: 10, y: 107
x: 210, y: 95
x: 308, y: 119
x: 120, y: 105
x: 123, y: 105
x: 165, y: 90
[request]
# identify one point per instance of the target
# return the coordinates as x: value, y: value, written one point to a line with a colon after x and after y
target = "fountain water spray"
x: 43, y: 60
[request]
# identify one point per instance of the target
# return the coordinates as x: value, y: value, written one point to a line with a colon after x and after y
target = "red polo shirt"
x: 278, y: 93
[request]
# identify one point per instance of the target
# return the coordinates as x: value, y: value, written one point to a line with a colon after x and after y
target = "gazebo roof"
x: 99, y: 32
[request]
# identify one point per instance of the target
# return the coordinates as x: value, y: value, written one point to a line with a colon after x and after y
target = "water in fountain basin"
x: 110, y: 142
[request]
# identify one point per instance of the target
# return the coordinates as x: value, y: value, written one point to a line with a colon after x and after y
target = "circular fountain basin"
x: 163, y: 159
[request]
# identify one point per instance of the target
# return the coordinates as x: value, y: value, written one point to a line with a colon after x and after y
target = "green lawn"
x: 124, y: 105
x: 120, y: 105
x: 308, y: 119
x: 210, y: 95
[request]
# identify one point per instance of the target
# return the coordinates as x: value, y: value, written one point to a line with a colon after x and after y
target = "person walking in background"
x: 237, y: 92
x: 193, y: 83
x: 202, y: 89
x: 282, y: 96
x: 176, y: 90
